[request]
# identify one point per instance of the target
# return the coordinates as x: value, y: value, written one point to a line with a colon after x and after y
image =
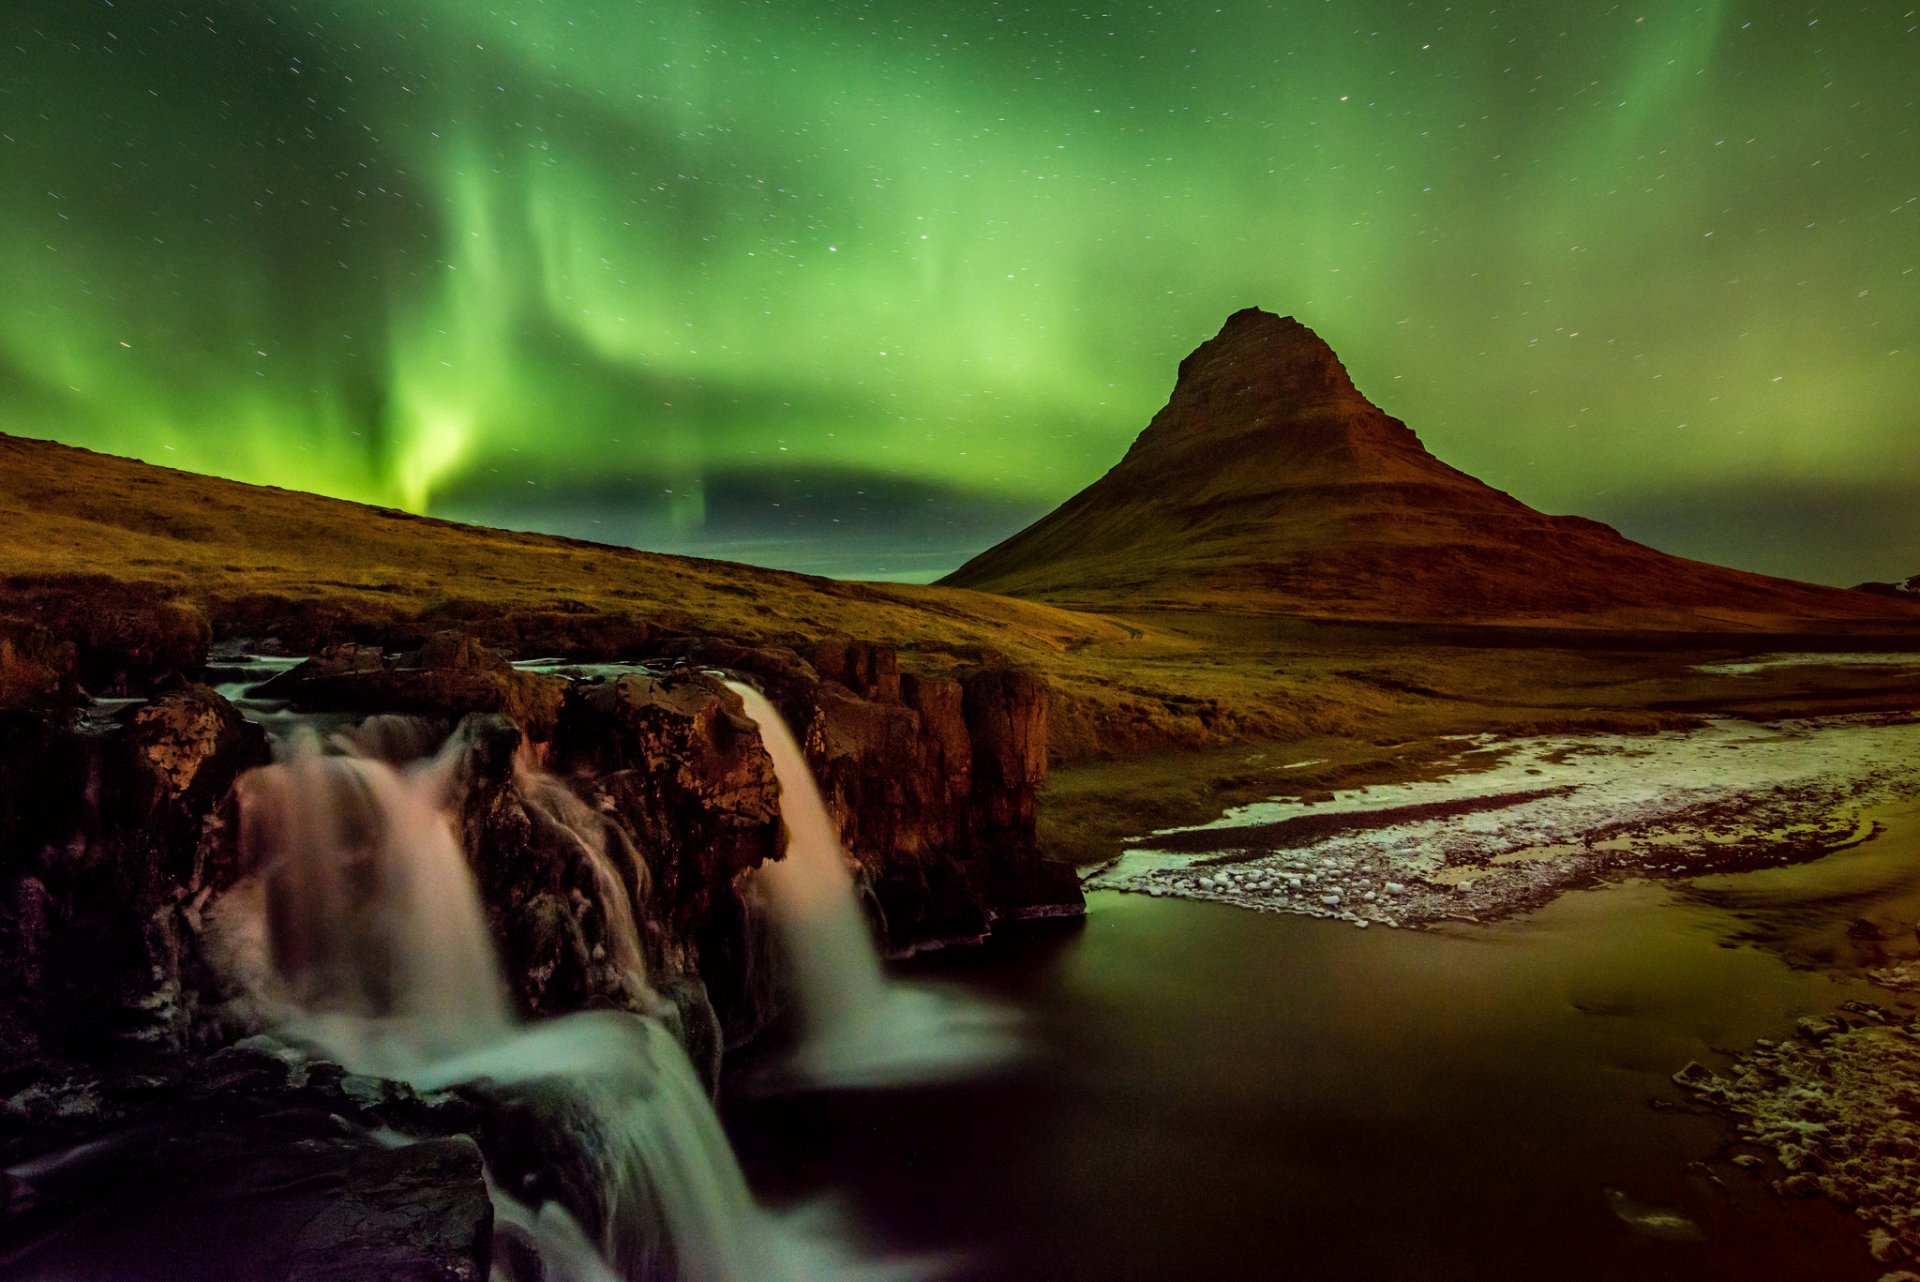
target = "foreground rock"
x: 106, y: 831
x: 256, y: 1165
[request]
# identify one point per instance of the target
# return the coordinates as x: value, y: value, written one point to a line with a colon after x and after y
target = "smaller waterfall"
x: 836, y: 969
x: 858, y: 1028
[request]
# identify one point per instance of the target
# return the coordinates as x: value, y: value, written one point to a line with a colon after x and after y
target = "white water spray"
x: 857, y: 1027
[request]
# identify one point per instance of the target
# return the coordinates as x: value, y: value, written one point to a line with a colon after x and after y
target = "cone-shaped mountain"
x: 1269, y: 484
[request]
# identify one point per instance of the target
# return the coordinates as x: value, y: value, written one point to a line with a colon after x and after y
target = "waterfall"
x: 858, y: 1028
x: 373, y: 927
x: 674, y: 1202
x: 376, y: 951
x: 835, y: 966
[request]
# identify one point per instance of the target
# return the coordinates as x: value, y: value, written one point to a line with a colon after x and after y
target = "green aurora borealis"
x: 863, y: 287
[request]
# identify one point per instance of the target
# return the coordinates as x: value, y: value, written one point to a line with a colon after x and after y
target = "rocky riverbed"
x: 1519, y: 821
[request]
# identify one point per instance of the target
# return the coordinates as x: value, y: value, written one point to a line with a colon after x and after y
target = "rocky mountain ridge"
x: 1906, y: 589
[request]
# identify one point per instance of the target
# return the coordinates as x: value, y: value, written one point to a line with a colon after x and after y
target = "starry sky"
x: 860, y: 288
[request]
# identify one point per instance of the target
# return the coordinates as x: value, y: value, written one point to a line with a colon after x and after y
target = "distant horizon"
x: 854, y: 565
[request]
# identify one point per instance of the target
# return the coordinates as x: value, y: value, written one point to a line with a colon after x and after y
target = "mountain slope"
x: 1269, y: 484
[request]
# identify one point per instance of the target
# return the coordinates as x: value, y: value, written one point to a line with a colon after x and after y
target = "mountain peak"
x: 1259, y: 353
x: 1267, y: 395
x: 1269, y: 484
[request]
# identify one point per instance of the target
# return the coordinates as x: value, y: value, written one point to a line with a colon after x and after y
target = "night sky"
x: 861, y: 288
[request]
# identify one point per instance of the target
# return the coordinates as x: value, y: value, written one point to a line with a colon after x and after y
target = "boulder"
x: 172, y: 763
x: 450, y: 675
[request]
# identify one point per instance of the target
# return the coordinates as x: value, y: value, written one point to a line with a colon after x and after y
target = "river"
x: 1220, y: 1093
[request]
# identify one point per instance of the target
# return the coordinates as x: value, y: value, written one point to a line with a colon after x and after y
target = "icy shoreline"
x: 1832, y: 1104
x: 1529, y: 818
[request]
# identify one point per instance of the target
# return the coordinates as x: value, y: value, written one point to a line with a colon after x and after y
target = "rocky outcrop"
x: 613, y: 826
x: 449, y: 676
x: 594, y: 812
x: 678, y: 761
x: 105, y: 832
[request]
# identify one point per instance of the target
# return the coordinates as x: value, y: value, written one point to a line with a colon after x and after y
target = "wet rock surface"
x: 113, y: 825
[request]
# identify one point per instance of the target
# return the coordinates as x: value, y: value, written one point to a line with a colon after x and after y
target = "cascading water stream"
x: 550, y: 804
x: 858, y: 1028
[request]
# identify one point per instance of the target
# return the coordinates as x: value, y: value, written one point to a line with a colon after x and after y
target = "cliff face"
x: 1269, y: 484
x: 646, y: 794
